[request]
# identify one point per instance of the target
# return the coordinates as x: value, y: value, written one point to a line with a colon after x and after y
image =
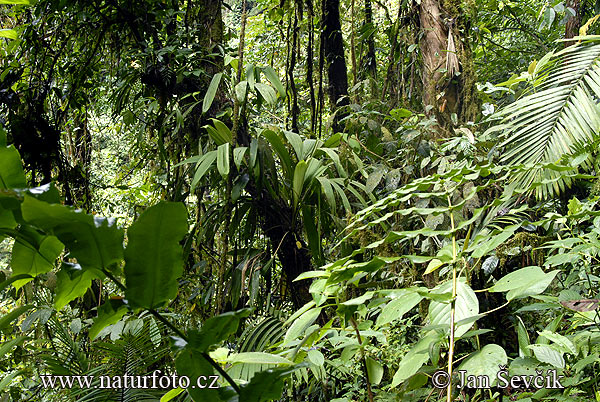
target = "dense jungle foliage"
x: 299, y: 200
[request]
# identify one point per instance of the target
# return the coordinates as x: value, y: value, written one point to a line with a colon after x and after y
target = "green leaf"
x: 524, y: 282
x: 241, y: 89
x: 298, y: 182
x: 7, y: 319
x: 211, y: 92
x: 7, y: 346
x: 274, y: 80
x: 238, y: 155
x: 267, y: 92
x: 257, y: 357
x: 193, y: 364
x: 8, y: 33
x: 547, y: 354
x: 485, y: 362
x: 375, y: 370
x: 556, y: 118
x: 34, y: 260
x: 281, y: 151
x: 11, y: 169
x: 108, y: 313
x: 301, y: 324
x: 523, y: 338
x: 41, y: 314
x: 399, y: 306
x: 266, y: 385
x: 96, y: 242
x: 216, y: 329
x: 204, y: 165
x: 223, y: 159
x: 171, y: 394
x: 153, y: 258
x: 224, y: 131
x: 563, y: 343
x: 466, y: 307
x: 72, y: 282
x: 416, y: 357
x: 316, y: 357
x: 433, y: 265
x: 27, y: 2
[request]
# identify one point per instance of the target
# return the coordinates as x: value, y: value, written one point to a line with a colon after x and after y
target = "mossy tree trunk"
x: 448, y: 73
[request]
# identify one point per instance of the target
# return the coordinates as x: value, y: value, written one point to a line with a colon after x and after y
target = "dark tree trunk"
x: 573, y: 23
x: 333, y: 48
x: 283, y: 231
x: 369, y: 61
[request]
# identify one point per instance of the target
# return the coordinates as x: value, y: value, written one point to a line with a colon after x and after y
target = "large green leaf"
x: 193, y: 365
x: 466, y: 307
x: 96, y: 243
x: 72, y: 282
x: 274, y: 80
x: 153, y: 258
x: 109, y: 313
x: 416, y: 357
x: 211, y: 92
x: 485, y: 362
x: 524, y: 282
x: 11, y: 169
x: 215, y: 330
x: 266, y: 385
x: 399, y: 306
x: 34, y: 259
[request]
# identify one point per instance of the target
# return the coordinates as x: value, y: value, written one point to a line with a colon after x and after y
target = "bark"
x: 333, y: 48
x: 369, y: 62
x: 309, y: 67
x: 444, y: 47
x: 573, y: 23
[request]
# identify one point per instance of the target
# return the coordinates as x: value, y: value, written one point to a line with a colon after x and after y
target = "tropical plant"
x: 558, y: 117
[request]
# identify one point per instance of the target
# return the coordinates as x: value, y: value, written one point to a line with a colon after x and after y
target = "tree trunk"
x: 448, y: 74
x: 333, y: 48
x: 369, y: 62
x: 573, y: 23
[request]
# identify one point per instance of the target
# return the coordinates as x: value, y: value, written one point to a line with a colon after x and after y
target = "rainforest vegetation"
x: 299, y: 200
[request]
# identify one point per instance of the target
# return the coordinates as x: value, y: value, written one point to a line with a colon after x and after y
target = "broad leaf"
x: 215, y: 330
x: 485, y: 362
x: 35, y: 259
x: 11, y: 169
x: 96, y: 242
x: 524, y: 282
x: 109, y: 313
x: 466, y: 307
x: 153, y: 258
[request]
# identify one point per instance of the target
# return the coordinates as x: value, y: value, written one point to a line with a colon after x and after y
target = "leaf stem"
x: 453, y: 306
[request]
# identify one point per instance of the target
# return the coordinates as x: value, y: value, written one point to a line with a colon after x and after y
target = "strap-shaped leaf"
x: 153, y: 258
x: 211, y: 92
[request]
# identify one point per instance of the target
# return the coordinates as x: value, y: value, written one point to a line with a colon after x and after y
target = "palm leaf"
x: 559, y: 117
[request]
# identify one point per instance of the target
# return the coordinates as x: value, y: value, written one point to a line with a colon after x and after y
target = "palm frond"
x: 559, y: 117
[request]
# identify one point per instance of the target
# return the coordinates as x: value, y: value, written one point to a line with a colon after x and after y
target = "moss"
x: 522, y: 240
